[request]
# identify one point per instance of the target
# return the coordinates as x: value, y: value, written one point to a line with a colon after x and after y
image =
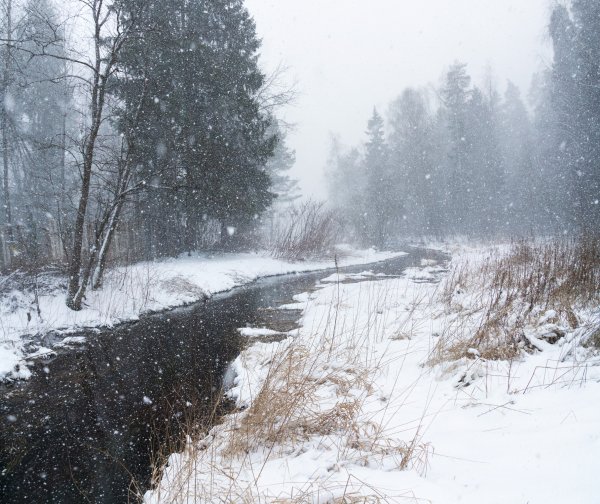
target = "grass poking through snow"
x: 498, y: 306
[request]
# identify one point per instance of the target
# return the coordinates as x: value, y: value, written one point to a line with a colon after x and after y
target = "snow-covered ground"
x: 131, y: 291
x: 354, y: 407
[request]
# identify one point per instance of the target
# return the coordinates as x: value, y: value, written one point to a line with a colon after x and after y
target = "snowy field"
x: 131, y: 291
x: 358, y: 406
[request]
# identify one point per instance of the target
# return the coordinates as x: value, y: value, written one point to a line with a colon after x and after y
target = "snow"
x: 10, y: 361
x: 255, y: 332
x: 369, y: 417
x: 71, y: 341
x: 341, y: 277
x: 129, y: 292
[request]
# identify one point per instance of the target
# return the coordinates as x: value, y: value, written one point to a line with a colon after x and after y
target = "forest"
x: 475, y: 160
x: 156, y: 134
x: 151, y: 135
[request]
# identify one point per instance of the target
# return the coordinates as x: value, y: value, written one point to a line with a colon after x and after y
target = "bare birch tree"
x: 110, y: 29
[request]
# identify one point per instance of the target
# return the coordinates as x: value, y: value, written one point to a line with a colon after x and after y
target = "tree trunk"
x: 5, y: 142
x: 104, y: 249
x: 76, y: 289
x: 63, y: 234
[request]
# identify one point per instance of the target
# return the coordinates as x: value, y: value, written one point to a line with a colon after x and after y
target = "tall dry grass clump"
x: 287, y: 411
x: 496, y: 303
x: 309, y: 231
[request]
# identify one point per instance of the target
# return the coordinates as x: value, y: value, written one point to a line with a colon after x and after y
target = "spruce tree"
x: 458, y: 198
x: 284, y: 187
x: 524, y: 182
x: 203, y: 140
x: 43, y: 107
x: 485, y: 189
x: 576, y: 97
x: 586, y: 14
x: 379, y: 195
x: 413, y: 156
x: 347, y: 183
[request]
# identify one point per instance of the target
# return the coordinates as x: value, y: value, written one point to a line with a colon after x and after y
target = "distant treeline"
x: 464, y: 159
x: 150, y: 128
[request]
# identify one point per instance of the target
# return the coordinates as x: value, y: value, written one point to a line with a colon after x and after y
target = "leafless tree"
x: 6, y: 82
x: 110, y: 30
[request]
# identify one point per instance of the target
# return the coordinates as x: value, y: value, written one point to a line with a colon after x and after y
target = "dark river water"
x: 90, y: 420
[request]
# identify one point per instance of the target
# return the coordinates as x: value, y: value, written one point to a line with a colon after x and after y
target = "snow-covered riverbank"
x: 131, y: 291
x: 359, y: 406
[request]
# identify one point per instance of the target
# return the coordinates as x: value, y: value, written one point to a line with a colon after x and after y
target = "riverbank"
x: 403, y: 390
x: 128, y: 292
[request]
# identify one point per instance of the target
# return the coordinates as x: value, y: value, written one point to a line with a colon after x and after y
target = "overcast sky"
x: 350, y: 55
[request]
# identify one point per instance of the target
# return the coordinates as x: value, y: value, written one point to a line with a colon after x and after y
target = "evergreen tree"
x: 379, y: 195
x: 553, y: 194
x: 576, y: 97
x: 35, y: 100
x: 347, y: 189
x: 43, y: 104
x: 283, y: 186
x: 458, y: 196
x: 485, y: 191
x: 413, y: 155
x: 523, y: 181
x: 586, y: 14
x: 202, y: 138
x: 7, y: 125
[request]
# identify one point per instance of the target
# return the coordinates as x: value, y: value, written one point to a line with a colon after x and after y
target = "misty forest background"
x: 462, y: 159
x: 138, y: 129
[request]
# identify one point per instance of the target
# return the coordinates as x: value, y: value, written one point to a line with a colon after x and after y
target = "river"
x: 91, y: 419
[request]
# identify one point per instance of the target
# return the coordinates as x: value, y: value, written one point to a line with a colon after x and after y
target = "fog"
x: 347, y: 56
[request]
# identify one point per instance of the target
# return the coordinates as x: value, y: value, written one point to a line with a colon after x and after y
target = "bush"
x: 308, y: 231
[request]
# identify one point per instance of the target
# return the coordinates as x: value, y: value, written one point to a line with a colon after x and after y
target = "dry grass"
x: 286, y: 410
x: 186, y: 419
x: 489, y: 308
x: 354, y: 491
x: 288, y: 413
x: 593, y: 341
x: 310, y: 232
x: 493, y: 303
x: 182, y: 286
